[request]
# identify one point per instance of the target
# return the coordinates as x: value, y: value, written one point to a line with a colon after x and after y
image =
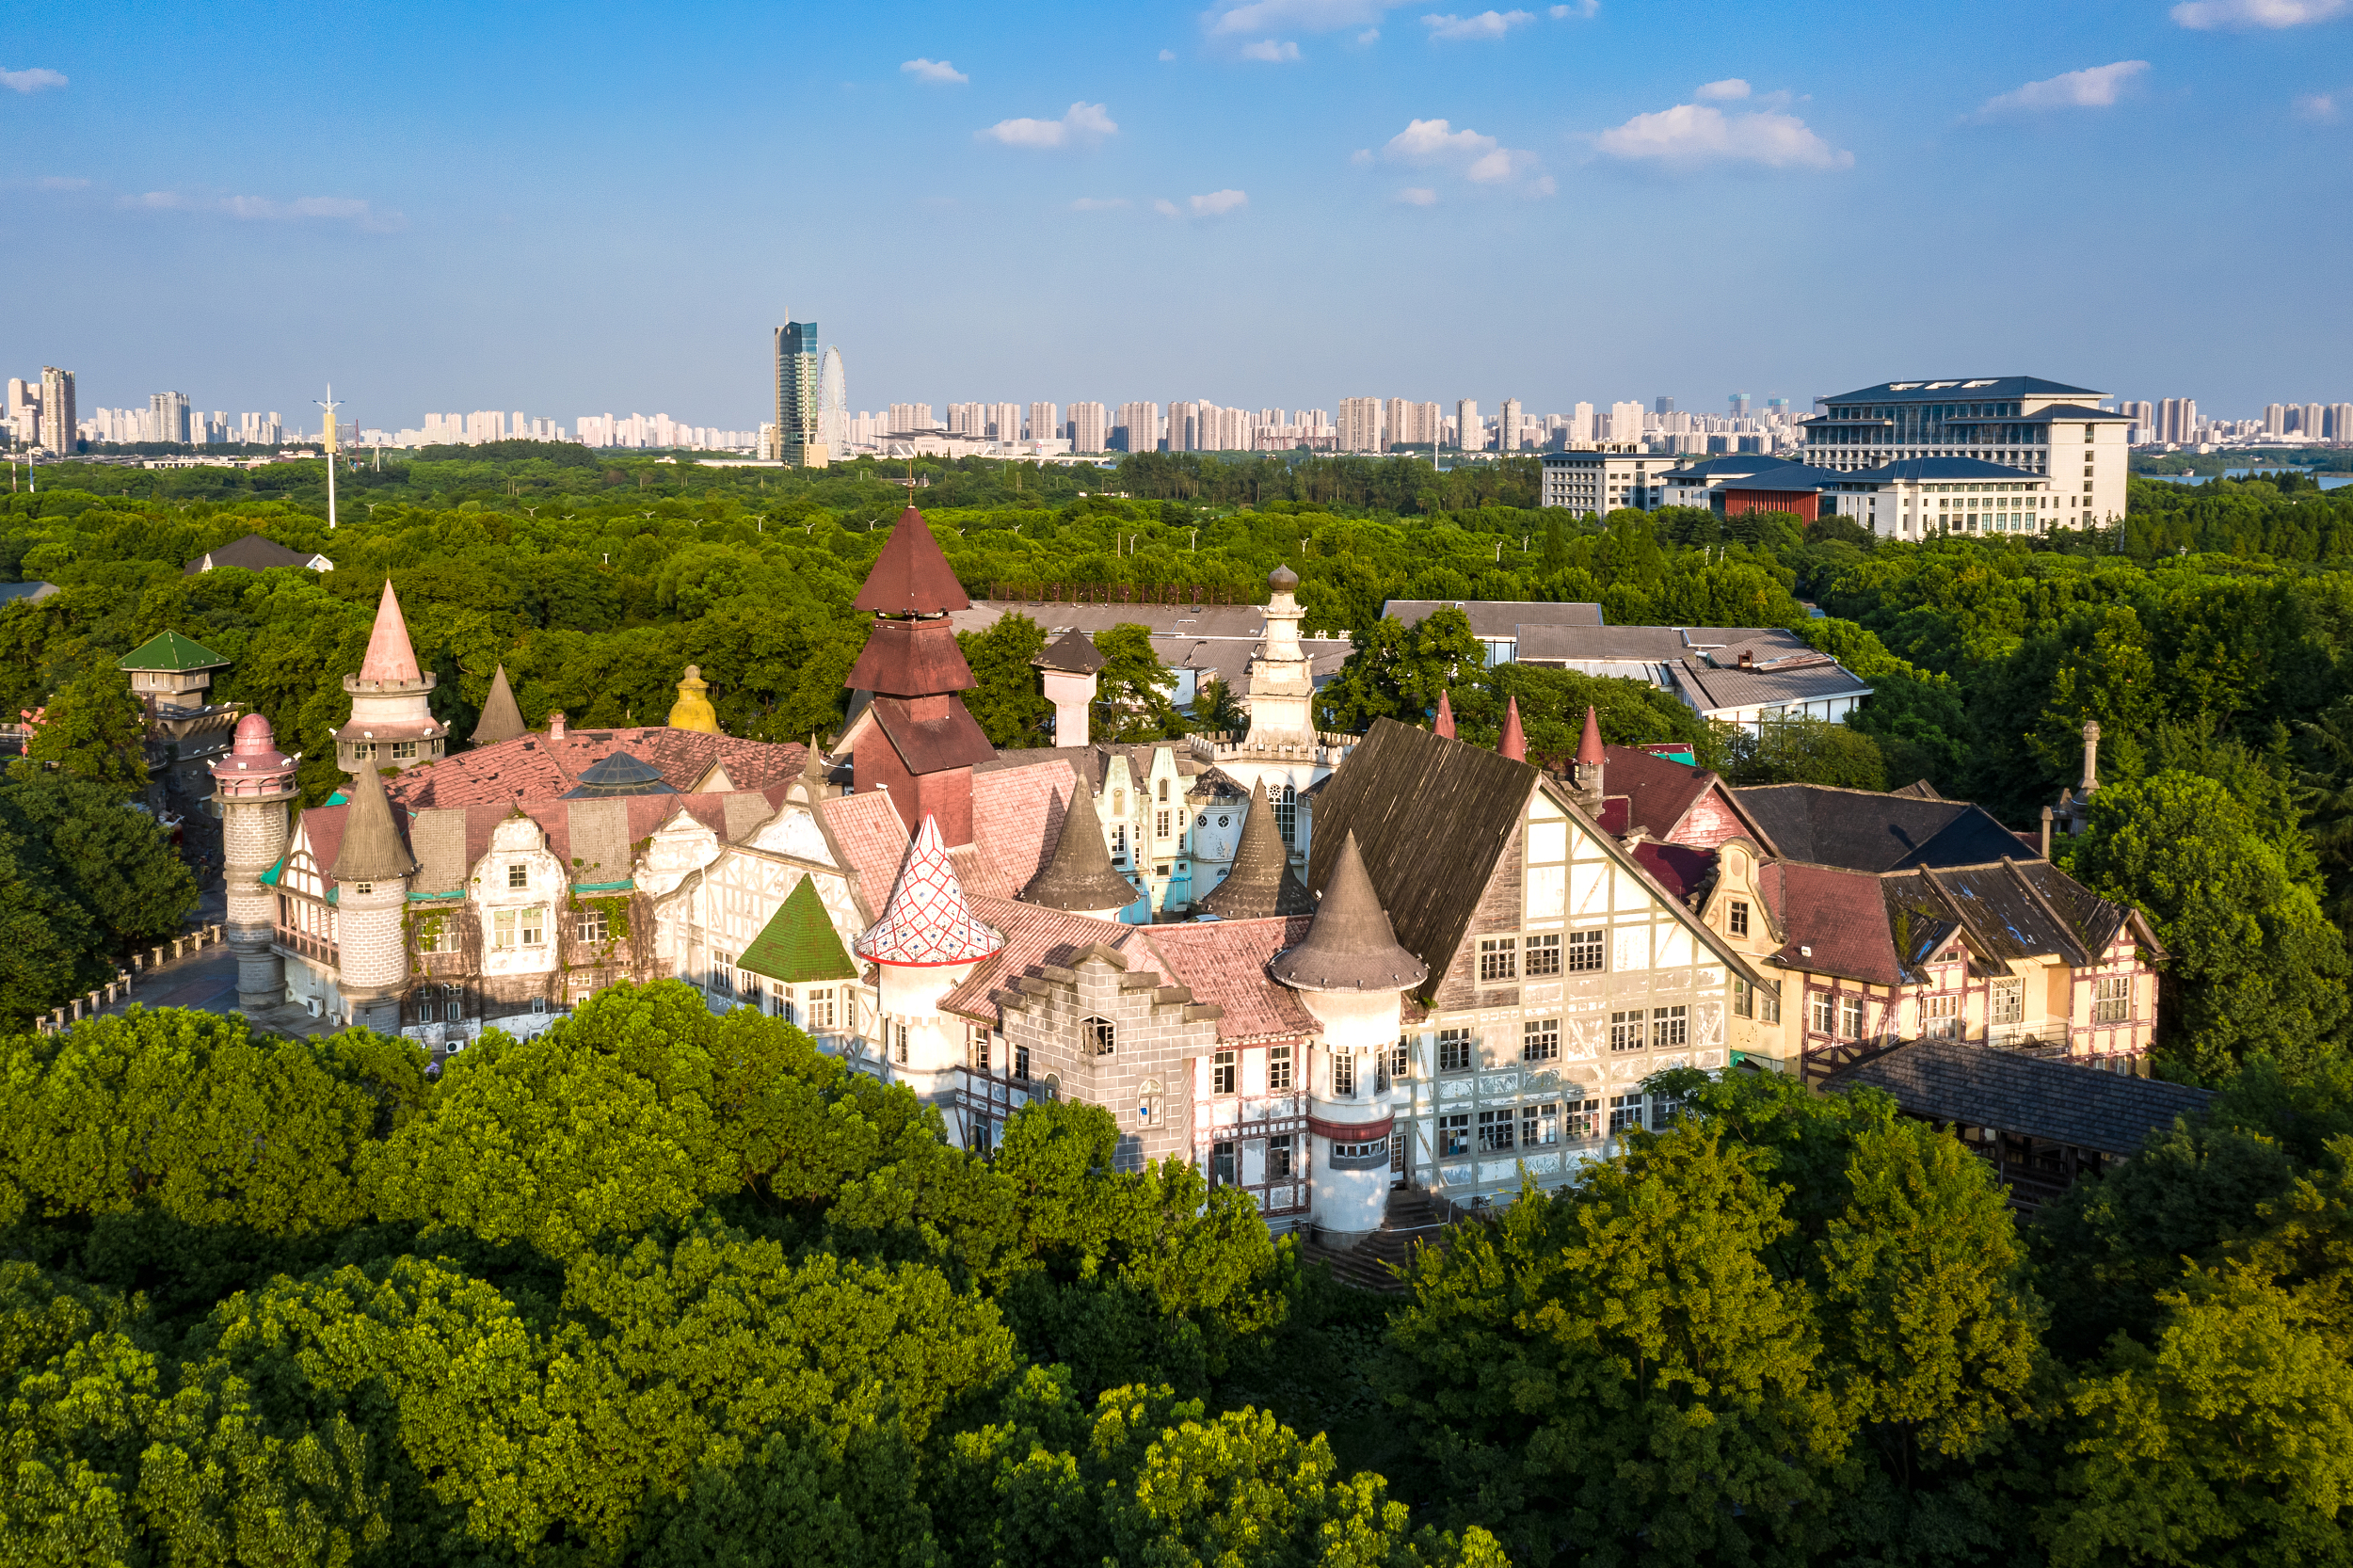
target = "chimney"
x: 555, y: 726
x: 1747, y: 658
x: 2047, y: 815
x: 2091, y: 759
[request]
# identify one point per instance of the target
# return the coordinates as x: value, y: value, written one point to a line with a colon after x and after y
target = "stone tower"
x: 254, y: 783
x: 1353, y: 976
x: 391, y: 723
x: 1282, y: 687
x: 372, y: 871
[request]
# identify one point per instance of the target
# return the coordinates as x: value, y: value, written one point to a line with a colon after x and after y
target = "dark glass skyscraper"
x: 795, y: 439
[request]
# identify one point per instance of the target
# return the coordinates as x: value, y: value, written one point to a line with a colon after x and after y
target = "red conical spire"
x: 389, y: 657
x: 1514, y: 742
x: 911, y: 577
x: 1445, y: 717
x: 1589, y: 748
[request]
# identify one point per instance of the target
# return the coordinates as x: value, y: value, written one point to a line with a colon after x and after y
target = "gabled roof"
x: 798, y: 945
x: 502, y: 720
x: 1429, y: 817
x: 1730, y: 466
x: 911, y: 577
x: 1963, y: 389
x: 1835, y: 921
x: 926, y: 923
x: 169, y: 651
x: 1224, y: 963
x: 1033, y: 937
x: 1953, y: 1080
x: 1713, y: 691
x: 535, y: 767
x: 390, y: 659
x: 1496, y: 618
x: 952, y: 740
x: 1867, y: 831
x: 1787, y: 479
x: 254, y: 553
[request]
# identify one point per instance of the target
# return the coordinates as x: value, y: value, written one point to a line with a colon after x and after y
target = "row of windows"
x: 1667, y: 1027
x: 1541, y: 957
x: 513, y: 928
x: 399, y: 751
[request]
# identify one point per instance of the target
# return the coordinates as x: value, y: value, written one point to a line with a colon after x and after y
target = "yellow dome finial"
x: 693, y: 710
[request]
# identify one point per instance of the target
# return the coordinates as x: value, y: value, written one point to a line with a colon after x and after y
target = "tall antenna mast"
x: 331, y: 406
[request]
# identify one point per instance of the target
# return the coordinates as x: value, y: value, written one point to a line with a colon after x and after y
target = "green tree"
x: 1397, y: 672
x: 1134, y: 688
x: 94, y: 728
x: 1802, y: 751
x: 2255, y: 965
x: 118, y: 864
x: 1008, y: 704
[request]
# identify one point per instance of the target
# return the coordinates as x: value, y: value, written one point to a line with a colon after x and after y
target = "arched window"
x: 1287, y: 815
x: 1098, y: 1035
x: 1163, y: 789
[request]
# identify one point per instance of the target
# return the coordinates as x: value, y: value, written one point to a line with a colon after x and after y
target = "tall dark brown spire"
x: 911, y: 577
x: 1080, y: 877
x: 372, y: 850
x: 1263, y: 881
x: 502, y: 720
x: 1352, y: 946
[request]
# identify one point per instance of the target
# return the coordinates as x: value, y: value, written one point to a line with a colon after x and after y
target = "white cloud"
x: 2318, y: 107
x: 1370, y: 36
x: 938, y: 71
x: 1584, y: 10
x: 61, y: 181
x: 1166, y: 208
x: 1099, y: 203
x: 1362, y: 157
x: 1256, y: 16
x: 1417, y: 196
x: 2257, y: 13
x: 32, y: 80
x: 263, y: 209
x: 1690, y: 135
x: 1484, y: 27
x: 1729, y: 87
x: 1219, y: 203
x: 1480, y: 159
x: 1168, y: 53
x: 1081, y: 124
x: 2092, y: 87
x: 1269, y: 49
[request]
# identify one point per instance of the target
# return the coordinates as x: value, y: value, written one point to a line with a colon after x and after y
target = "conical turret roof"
x: 1445, y: 725
x: 1263, y: 881
x: 911, y: 577
x: 390, y: 658
x: 1352, y: 946
x: 798, y: 944
x: 1079, y: 877
x: 1514, y: 742
x: 1589, y: 752
x: 372, y: 850
x: 502, y: 720
x: 926, y: 921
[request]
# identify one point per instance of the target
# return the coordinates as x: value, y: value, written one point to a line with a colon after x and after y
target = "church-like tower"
x: 1282, y: 687
x: 392, y: 724
x: 915, y: 739
x: 253, y: 784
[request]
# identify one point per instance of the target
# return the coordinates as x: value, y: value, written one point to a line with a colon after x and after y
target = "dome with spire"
x: 926, y: 921
x: 1281, y: 580
x: 1351, y: 946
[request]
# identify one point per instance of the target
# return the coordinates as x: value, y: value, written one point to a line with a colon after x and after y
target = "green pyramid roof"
x: 169, y: 651
x: 798, y: 944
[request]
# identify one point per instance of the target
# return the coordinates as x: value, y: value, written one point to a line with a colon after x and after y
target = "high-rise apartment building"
x: 1625, y: 421
x: 2310, y: 419
x: 1090, y: 427
x: 1045, y: 423
x: 2144, y: 417
x: 966, y: 419
x: 1360, y: 425
x: 1663, y: 406
x: 1184, y: 427
x: 909, y: 416
x: 2275, y: 419
x: 168, y: 417
x: 2340, y: 427
x: 58, y: 427
x: 1470, y: 431
x: 1004, y: 422
x: 1508, y: 426
x: 795, y: 441
x: 1739, y: 402
x: 2177, y: 421
x: 1142, y: 423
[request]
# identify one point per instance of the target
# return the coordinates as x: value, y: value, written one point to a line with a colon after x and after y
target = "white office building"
x: 2044, y: 429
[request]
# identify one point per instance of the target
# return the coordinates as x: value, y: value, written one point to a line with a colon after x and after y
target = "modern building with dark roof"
x: 255, y: 554
x: 2050, y: 432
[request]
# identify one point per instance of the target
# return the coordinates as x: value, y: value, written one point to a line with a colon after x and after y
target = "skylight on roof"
x: 1935, y: 386
x: 1903, y: 386
x: 1968, y: 384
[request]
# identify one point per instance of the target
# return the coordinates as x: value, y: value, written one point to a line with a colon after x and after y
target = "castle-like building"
x: 1319, y: 966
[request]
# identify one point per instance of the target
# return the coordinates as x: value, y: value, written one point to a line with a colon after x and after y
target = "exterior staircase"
x: 1377, y: 1262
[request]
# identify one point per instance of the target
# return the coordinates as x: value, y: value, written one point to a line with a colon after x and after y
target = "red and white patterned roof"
x: 926, y: 921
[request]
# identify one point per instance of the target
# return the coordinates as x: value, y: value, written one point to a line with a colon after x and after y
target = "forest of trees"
x: 662, y: 1288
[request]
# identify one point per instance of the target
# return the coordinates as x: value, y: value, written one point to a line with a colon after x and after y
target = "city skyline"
x: 1511, y: 202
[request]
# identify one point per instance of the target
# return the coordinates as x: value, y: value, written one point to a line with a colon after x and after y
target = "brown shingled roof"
x: 1261, y: 883
x: 373, y: 849
x: 1079, y: 877
x: 1224, y: 963
x: 911, y: 577
x: 502, y: 720
x: 1351, y: 946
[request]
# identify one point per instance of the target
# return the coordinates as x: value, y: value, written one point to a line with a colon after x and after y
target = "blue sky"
x: 588, y: 209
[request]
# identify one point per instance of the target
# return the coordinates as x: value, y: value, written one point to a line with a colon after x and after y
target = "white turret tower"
x: 392, y: 724
x: 925, y: 945
x: 1353, y: 976
x: 372, y: 871
x: 254, y: 783
x: 1281, y: 689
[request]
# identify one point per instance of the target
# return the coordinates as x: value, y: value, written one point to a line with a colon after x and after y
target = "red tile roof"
x: 1679, y: 869
x: 1034, y: 936
x: 1224, y: 963
x: 1842, y: 918
x: 390, y: 658
x: 912, y: 576
x: 1658, y: 793
x: 540, y: 767
x: 872, y: 840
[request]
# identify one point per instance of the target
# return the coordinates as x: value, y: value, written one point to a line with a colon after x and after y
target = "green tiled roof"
x: 798, y: 944
x: 169, y: 651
